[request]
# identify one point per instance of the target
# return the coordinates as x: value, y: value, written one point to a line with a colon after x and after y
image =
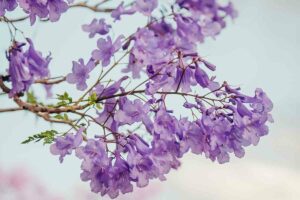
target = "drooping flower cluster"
x: 7, y: 5
x: 36, y: 8
x: 141, y: 137
x: 25, y: 67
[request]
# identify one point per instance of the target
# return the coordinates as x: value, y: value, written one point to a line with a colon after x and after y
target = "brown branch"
x: 50, y: 81
x: 46, y: 117
x: 10, y: 109
x: 45, y: 109
x: 143, y: 91
x: 92, y: 8
x: 3, y: 86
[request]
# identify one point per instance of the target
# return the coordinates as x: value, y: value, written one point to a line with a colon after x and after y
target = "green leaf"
x: 65, y: 99
x: 46, y: 136
x: 31, y: 98
x: 66, y: 117
x: 93, y: 99
x: 58, y: 116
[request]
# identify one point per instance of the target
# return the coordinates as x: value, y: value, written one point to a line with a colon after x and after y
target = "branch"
x: 51, y: 81
x: 143, y: 91
x: 94, y: 8
x: 45, y: 109
x: 3, y: 86
x: 10, y: 109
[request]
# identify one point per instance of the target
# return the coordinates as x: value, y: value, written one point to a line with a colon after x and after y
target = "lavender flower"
x: 131, y: 112
x: 64, y: 145
x: 80, y: 73
x: 38, y: 65
x: 25, y: 67
x: 7, y: 5
x: 96, y: 27
x: 18, y: 70
x: 106, y: 49
x: 120, y: 10
x: 103, y: 91
x: 47, y: 8
x: 145, y: 6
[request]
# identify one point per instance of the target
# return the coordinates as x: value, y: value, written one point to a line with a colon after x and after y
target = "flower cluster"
x: 7, y: 6
x: 25, y: 67
x: 36, y: 8
x: 141, y: 137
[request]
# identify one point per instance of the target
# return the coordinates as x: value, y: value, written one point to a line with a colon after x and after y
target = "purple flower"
x: 80, y: 73
x: 64, y: 145
x: 7, y: 5
x: 202, y: 77
x: 145, y: 6
x: 141, y: 168
x: 134, y: 66
x: 103, y: 92
x: 18, y: 70
x: 184, y: 77
x: 25, y: 67
x: 162, y: 158
x: 229, y: 10
x: 46, y: 8
x: 96, y: 165
x: 96, y: 27
x: 211, y: 29
x: 56, y: 8
x: 106, y: 117
x: 166, y: 126
x: 131, y: 112
x: 106, y: 49
x: 121, y: 180
x: 93, y: 153
x: 188, y: 29
x: 120, y: 10
x: 38, y: 65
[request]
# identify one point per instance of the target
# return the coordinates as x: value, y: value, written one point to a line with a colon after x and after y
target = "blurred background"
x: 261, y: 48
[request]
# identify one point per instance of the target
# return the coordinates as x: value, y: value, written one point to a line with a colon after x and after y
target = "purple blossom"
x: 96, y: 27
x: 103, y: 91
x: 166, y: 126
x: 106, y: 116
x: 7, y: 5
x: 18, y: 70
x: 131, y: 112
x: 46, y: 8
x: 211, y: 29
x: 25, y: 67
x: 188, y: 28
x: 121, y: 180
x: 96, y: 165
x: 120, y: 10
x: 229, y: 10
x: 202, y: 77
x: 80, y: 73
x: 64, y: 145
x: 142, y: 168
x: 145, y: 6
x: 106, y: 49
x: 38, y: 65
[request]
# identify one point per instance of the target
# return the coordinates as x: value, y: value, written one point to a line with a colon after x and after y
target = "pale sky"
x: 260, y: 49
